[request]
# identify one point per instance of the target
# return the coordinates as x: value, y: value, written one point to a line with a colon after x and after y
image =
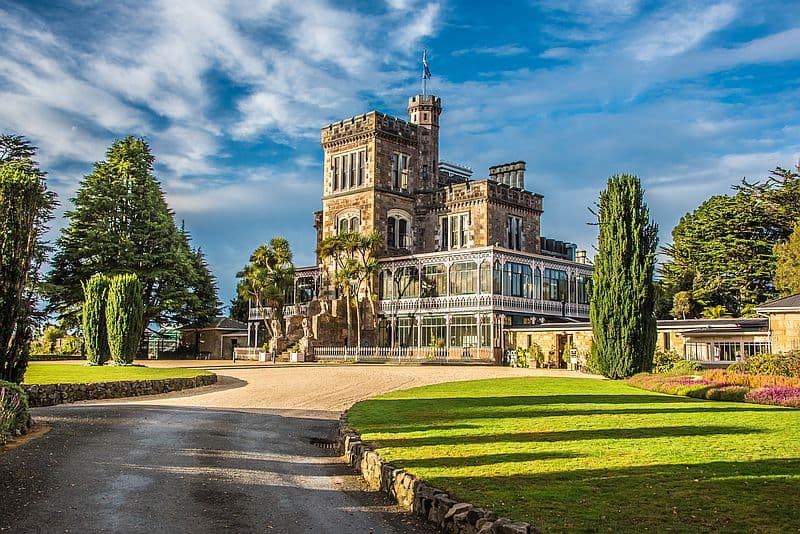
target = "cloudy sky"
x: 691, y: 96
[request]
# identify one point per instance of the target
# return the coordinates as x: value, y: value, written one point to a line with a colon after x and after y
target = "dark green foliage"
x: 95, y: 333
x: 14, y: 416
x: 124, y: 315
x: 240, y: 307
x: 25, y: 207
x: 723, y: 253
x: 787, y: 270
x: 623, y: 299
x: 121, y: 224
x: 267, y: 280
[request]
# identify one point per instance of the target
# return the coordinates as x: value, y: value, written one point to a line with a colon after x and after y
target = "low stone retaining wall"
x: 52, y: 394
x: 433, y: 504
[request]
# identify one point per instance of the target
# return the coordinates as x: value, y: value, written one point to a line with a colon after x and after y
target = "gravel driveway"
x: 235, y: 456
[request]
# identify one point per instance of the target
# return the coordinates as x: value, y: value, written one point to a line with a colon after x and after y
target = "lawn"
x: 595, y: 455
x: 55, y: 373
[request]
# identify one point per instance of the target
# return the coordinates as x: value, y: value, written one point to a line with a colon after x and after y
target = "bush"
x: 15, y: 419
x: 783, y: 364
x: 124, y: 313
x: 777, y: 395
x: 665, y: 360
x: 95, y: 330
x: 749, y: 380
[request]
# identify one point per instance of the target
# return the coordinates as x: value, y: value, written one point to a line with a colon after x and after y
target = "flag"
x: 426, y: 72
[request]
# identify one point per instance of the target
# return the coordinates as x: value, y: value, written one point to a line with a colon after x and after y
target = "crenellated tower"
x: 424, y: 111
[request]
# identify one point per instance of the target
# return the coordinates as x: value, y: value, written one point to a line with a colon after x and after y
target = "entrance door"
x: 561, y: 342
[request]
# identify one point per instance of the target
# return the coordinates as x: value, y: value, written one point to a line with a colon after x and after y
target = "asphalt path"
x: 235, y: 457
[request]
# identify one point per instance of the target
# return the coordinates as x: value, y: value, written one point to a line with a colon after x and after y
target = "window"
x: 665, y: 341
x: 555, y: 285
x: 406, y: 282
x: 305, y: 290
x: 385, y: 290
x: 727, y: 351
x: 463, y: 331
x: 514, y: 227
x: 582, y: 289
x: 406, y: 332
x: 751, y: 348
x: 485, y: 277
x: 454, y: 231
x: 434, y: 331
x: 400, y: 164
x: 398, y: 234
x: 497, y: 279
x: 486, y: 330
x: 537, y: 283
x: 434, y: 281
x: 348, y: 170
x: 518, y: 280
x: 348, y: 222
x: 463, y: 278
x: 696, y: 351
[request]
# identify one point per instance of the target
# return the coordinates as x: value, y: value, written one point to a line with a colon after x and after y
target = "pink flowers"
x: 777, y: 395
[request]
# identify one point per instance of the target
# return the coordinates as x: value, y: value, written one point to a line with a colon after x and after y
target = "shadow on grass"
x: 746, y: 496
x: 485, y: 459
x: 571, y: 435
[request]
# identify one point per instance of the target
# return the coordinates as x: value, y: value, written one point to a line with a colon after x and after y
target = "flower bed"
x: 724, y: 386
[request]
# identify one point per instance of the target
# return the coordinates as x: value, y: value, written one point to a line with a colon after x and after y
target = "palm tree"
x: 267, y: 279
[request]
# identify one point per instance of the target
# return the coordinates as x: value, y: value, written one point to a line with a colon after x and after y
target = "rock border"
x: 40, y: 395
x: 430, y: 503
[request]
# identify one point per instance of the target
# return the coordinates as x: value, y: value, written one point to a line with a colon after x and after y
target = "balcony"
x: 478, y: 303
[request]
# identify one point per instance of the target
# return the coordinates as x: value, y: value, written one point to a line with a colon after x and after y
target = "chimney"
x: 580, y: 256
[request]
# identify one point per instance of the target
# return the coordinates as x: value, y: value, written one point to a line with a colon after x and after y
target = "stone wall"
x: 433, y: 504
x: 785, y: 331
x: 52, y: 394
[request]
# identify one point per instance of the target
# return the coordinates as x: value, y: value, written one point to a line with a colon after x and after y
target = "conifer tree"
x: 621, y: 310
x: 95, y: 333
x: 25, y: 207
x: 124, y: 317
x: 121, y: 223
x: 787, y: 271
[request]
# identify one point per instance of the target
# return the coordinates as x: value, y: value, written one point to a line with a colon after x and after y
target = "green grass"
x: 53, y: 373
x: 595, y: 455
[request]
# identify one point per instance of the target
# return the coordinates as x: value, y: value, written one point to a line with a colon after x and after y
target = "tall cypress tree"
x: 95, y: 333
x: 121, y: 224
x: 622, y: 303
x: 124, y: 317
x: 25, y: 207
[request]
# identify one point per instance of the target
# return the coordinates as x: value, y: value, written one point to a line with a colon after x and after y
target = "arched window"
x: 497, y: 279
x: 348, y: 220
x: 398, y: 229
x: 485, y: 276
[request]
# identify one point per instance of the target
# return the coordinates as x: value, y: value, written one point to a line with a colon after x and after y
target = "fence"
x: 406, y: 354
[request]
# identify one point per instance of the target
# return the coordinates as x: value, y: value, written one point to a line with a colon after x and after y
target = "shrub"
x: 124, y: 313
x: 748, y: 380
x: 95, y: 330
x: 15, y: 419
x: 665, y: 360
x: 782, y: 364
x: 777, y: 395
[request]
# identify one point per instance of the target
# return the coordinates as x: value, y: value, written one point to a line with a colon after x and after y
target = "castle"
x: 461, y: 259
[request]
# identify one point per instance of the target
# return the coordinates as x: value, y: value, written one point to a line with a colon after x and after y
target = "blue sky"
x: 691, y: 96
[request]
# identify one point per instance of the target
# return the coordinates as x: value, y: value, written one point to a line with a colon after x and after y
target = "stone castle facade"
x: 461, y: 259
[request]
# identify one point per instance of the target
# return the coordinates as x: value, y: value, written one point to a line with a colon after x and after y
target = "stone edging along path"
x: 52, y: 394
x: 433, y: 504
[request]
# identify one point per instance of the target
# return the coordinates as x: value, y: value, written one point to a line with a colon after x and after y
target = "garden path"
x: 235, y: 456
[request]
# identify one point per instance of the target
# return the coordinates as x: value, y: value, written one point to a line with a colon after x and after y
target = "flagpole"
x: 424, y: 77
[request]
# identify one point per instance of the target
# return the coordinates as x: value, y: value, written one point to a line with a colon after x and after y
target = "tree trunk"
x: 349, y: 319
x: 358, y: 321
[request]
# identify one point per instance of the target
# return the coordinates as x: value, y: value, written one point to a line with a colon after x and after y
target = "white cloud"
x: 499, y: 51
x: 678, y: 32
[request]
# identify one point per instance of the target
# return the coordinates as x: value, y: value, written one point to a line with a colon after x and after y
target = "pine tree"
x: 121, y: 224
x: 25, y: 207
x: 621, y: 310
x: 124, y: 317
x: 95, y: 333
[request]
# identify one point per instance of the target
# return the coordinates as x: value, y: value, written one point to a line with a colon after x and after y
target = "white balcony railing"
x: 477, y: 303
x: 288, y: 311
